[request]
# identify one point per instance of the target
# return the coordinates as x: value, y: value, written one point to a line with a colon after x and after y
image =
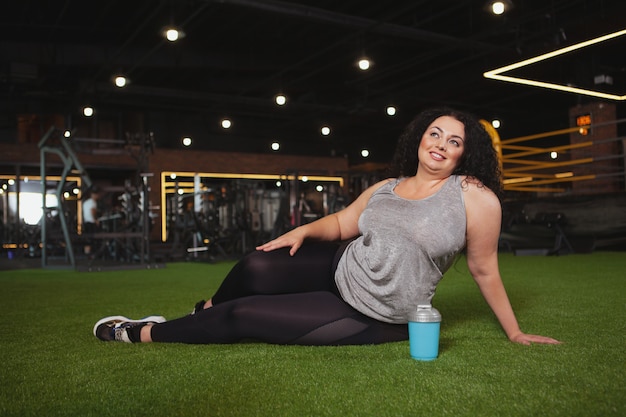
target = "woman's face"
x: 442, y: 145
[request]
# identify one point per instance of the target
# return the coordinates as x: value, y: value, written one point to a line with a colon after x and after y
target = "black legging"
x: 273, y: 297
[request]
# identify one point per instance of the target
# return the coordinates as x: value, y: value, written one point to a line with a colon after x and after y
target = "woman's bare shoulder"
x: 367, y: 193
x: 477, y: 194
x: 380, y: 183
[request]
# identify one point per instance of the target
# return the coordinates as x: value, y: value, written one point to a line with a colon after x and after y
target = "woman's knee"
x: 252, y: 261
x: 257, y: 264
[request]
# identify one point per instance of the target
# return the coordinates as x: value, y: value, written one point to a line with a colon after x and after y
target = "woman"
x: 400, y: 236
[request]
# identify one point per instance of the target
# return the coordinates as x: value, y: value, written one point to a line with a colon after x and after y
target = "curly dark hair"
x: 479, y: 160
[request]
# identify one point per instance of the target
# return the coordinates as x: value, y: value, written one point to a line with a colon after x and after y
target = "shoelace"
x: 120, y: 332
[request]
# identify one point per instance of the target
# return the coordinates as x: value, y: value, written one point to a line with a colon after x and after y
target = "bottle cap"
x: 425, y: 313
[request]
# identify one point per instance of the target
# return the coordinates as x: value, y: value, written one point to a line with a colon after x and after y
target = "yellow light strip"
x: 164, y: 175
x: 516, y: 180
x: 539, y: 136
x: 517, y: 177
x: 255, y: 176
x: 524, y: 148
x: 495, y: 74
x: 546, y: 165
x: 525, y: 162
x: 567, y: 179
x: 532, y: 186
x: 536, y: 151
x: 38, y: 178
x: 536, y: 189
x: 528, y: 174
x: 166, y: 182
x: 564, y: 175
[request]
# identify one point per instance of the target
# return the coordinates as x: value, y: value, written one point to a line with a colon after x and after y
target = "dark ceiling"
x: 238, y: 54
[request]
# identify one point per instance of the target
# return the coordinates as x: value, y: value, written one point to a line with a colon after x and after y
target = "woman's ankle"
x: 146, y: 333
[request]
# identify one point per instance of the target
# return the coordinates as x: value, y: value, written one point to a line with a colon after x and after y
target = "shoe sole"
x: 153, y: 319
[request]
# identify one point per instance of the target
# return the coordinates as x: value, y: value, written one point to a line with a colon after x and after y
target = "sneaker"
x: 115, y: 328
x: 198, y: 307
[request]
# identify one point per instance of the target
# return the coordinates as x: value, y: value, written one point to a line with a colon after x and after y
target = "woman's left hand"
x: 527, y: 339
x: 292, y: 239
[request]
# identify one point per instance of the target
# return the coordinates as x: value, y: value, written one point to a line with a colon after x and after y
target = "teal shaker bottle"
x: 424, y: 326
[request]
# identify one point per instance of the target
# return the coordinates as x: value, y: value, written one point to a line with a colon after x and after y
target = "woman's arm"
x: 337, y: 226
x: 483, y: 230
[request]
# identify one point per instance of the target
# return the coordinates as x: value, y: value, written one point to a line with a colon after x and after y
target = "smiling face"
x: 442, y: 145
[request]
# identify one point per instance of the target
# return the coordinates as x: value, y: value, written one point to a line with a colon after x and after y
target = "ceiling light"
x: 172, y: 33
x: 391, y: 110
x: 120, y: 81
x: 187, y: 141
x: 325, y: 130
x: 88, y: 111
x: 495, y: 123
x: 365, y: 153
x: 226, y: 124
x: 275, y: 146
x: 364, y: 64
x: 280, y: 99
x: 495, y: 74
x: 499, y: 7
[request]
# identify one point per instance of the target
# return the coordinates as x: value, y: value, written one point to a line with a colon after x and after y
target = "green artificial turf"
x: 51, y: 365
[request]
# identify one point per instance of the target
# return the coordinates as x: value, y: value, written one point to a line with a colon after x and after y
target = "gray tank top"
x: 404, y: 248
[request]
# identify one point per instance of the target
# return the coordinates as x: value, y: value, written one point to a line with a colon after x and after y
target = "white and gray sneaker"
x: 115, y: 328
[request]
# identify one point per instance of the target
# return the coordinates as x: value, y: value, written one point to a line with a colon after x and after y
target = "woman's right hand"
x: 292, y: 239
